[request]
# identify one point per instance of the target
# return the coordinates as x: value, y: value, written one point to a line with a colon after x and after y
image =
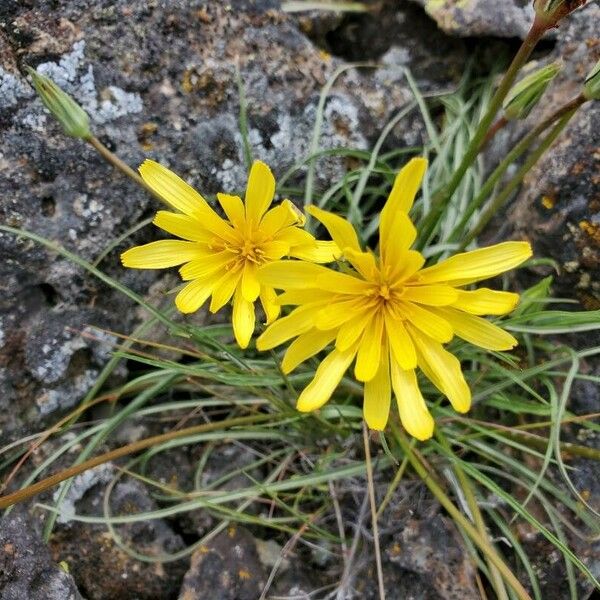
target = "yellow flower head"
x: 388, y: 314
x: 220, y: 256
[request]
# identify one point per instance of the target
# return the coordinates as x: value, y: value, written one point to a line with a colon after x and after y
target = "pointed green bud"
x: 550, y: 12
x: 64, y: 109
x: 591, y: 87
x: 526, y: 93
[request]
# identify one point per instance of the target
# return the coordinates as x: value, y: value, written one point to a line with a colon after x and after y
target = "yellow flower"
x: 222, y: 256
x: 388, y: 314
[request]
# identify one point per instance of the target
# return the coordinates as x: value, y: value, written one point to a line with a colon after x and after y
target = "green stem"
x: 49, y: 482
x: 521, y: 147
x: 480, y: 541
x: 116, y: 162
x: 493, y: 130
x: 393, y: 486
x: 371, y: 491
x: 442, y: 195
x: 512, y: 185
x: 495, y: 576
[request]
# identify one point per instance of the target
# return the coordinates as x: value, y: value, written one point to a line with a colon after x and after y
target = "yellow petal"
x: 482, y: 263
x: 183, y: 197
x: 172, y: 189
x: 403, y: 350
x: 299, y: 321
x: 162, y: 254
x: 335, y: 314
x: 294, y: 236
x: 319, y: 252
x: 486, y: 302
x: 414, y: 414
x: 400, y: 237
x: 377, y: 397
x: 431, y: 295
x: 290, y: 274
x: 478, y: 331
x: 205, y: 266
x: 340, y: 230
x: 303, y: 296
x: 408, y: 264
x: 369, y: 350
x: 183, y: 226
x: 352, y: 330
x: 275, y: 250
x: 243, y: 319
x: 283, y: 215
x: 428, y: 322
x: 233, y: 208
x: 268, y: 299
x: 442, y: 369
x: 250, y: 285
x: 223, y: 289
x: 341, y: 283
x: 259, y: 192
x: 401, y: 197
x: 304, y: 346
x: 327, y: 377
x: 193, y: 295
x: 363, y: 262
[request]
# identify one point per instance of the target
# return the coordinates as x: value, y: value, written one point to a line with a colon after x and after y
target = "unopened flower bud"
x: 591, y: 87
x: 550, y: 12
x: 527, y: 92
x: 64, y: 109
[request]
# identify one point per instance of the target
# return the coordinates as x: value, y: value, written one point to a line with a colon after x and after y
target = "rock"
x: 27, y: 571
x: 222, y: 461
x: 432, y: 552
x: 481, y: 17
x: 226, y: 568
x: 101, y: 568
x: 393, y: 33
x: 558, y: 208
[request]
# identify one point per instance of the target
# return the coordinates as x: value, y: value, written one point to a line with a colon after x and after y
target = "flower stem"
x: 506, y: 192
x: 441, y: 196
x: 519, y: 148
x: 48, y: 482
x: 371, y: 487
x: 488, y: 550
x: 495, y: 576
x: 116, y: 162
x: 492, y: 131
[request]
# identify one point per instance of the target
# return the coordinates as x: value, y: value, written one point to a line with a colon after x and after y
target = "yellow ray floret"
x: 221, y: 255
x: 388, y: 315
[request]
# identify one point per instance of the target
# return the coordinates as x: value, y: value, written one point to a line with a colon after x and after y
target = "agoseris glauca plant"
x: 220, y: 256
x: 388, y: 314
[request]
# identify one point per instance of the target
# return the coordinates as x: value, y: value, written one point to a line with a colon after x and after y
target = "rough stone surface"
x: 27, y: 571
x: 433, y: 552
x: 511, y: 18
x: 101, y: 568
x: 226, y: 568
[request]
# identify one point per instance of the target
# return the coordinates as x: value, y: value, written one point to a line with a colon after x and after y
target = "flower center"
x: 384, y: 291
x: 251, y: 252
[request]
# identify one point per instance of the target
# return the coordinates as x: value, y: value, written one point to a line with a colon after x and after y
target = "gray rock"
x: 511, y: 18
x: 433, y: 552
x: 102, y: 569
x: 27, y: 571
x: 226, y: 568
